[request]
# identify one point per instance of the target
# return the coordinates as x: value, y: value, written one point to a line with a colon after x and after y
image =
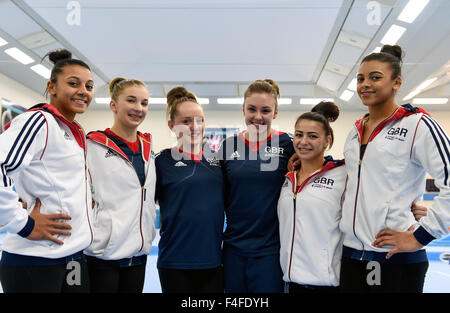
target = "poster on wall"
x: 8, y: 112
x: 215, y: 135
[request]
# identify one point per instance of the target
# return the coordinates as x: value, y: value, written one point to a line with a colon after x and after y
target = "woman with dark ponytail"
x: 43, y: 155
x: 309, y: 207
x: 387, y: 155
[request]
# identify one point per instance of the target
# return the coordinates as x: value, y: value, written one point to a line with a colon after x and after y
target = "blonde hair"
x: 176, y: 96
x: 268, y: 86
x: 119, y: 84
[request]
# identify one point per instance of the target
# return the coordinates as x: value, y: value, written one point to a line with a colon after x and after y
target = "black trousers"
x: 191, y: 281
x: 115, y: 279
x: 392, y: 278
x: 63, y: 278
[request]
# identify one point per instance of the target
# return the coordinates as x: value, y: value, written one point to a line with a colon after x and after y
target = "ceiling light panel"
x: 19, y: 55
x: 412, y: 10
x: 393, y: 35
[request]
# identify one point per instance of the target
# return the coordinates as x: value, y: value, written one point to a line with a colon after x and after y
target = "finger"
x: 24, y: 205
x: 54, y: 239
x: 384, y: 232
x: 56, y: 231
x: 411, y: 228
x: 391, y: 253
x: 385, y: 241
x: 37, y: 206
x: 61, y: 225
x: 59, y: 216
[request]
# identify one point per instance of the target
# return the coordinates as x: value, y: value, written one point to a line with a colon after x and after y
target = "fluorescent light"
x: 420, y: 88
x: 203, y: 100
x: 103, y: 100
x: 412, y: 10
x: 352, y: 85
x: 230, y: 100
x: 430, y: 101
x: 19, y: 55
x: 157, y: 100
x: 314, y: 101
x: 283, y: 101
x: 426, y: 83
x: 41, y: 70
x: 3, y: 42
x: 412, y: 94
x: 347, y: 95
x: 393, y: 35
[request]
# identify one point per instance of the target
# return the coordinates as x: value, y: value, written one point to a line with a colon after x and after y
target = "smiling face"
x: 188, y: 125
x: 131, y: 106
x: 310, y: 140
x: 259, y: 111
x: 375, y: 84
x: 72, y: 91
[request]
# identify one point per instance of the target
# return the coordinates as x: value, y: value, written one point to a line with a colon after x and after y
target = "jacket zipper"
x: 143, y: 196
x: 86, y: 183
x: 361, y: 156
x: 295, y: 211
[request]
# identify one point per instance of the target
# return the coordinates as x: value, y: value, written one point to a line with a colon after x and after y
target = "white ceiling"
x: 312, y: 48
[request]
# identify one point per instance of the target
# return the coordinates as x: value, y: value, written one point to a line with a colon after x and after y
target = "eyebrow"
x: 371, y: 73
x: 74, y: 77
x: 301, y: 131
x: 264, y: 107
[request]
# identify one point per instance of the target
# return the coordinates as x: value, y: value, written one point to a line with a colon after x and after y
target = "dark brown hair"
x: 389, y: 54
x: 62, y: 58
x: 324, y: 112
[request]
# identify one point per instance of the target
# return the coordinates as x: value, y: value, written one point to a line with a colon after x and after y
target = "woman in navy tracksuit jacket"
x: 254, y: 164
x: 190, y: 193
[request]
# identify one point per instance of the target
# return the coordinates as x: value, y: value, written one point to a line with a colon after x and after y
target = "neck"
x: 70, y: 116
x: 310, y: 166
x: 192, y: 149
x: 257, y: 137
x: 381, y: 112
x: 129, y: 134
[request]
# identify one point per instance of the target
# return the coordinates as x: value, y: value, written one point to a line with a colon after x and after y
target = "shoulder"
x: 28, y: 121
x: 163, y: 154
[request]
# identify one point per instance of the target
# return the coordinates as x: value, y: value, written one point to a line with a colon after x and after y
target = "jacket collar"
x: 328, y: 164
x: 401, y: 112
x: 102, y: 138
x: 76, y: 129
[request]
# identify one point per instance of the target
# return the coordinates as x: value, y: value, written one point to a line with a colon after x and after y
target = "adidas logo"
x: 66, y: 136
x: 109, y: 153
x: 235, y: 155
x: 179, y: 163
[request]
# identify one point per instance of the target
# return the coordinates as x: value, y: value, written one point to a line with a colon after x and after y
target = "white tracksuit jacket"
x: 391, y: 176
x: 311, y: 242
x: 43, y: 156
x: 124, y: 211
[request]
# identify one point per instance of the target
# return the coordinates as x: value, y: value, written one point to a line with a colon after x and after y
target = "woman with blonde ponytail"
x: 122, y: 176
